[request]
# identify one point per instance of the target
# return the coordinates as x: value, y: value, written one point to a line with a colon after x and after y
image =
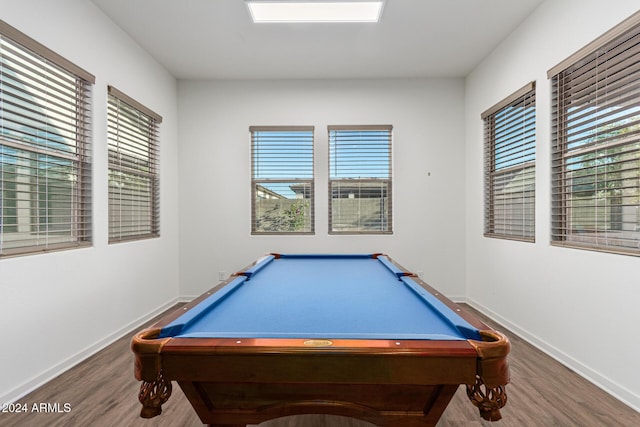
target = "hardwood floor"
x: 102, y: 391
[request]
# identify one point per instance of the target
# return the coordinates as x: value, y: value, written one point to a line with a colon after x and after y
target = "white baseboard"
x: 621, y: 393
x: 46, y: 376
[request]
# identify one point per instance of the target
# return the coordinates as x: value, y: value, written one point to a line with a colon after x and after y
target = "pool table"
x: 355, y: 335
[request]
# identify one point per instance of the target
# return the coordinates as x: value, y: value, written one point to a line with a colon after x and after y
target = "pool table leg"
x: 153, y: 394
x: 488, y: 400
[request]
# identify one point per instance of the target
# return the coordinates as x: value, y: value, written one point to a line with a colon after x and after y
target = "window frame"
x: 572, y: 145
x: 506, y: 132
x: 124, y: 140
x: 307, y: 146
x: 61, y: 138
x: 387, y: 220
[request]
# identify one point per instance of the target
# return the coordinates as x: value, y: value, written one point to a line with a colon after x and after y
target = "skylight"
x: 315, y: 11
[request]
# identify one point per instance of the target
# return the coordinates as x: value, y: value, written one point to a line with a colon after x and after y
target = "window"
x: 133, y: 169
x: 45, y: 164
x: 510, y: 170
x: 596, y: 144
x: 360, y: 180
x: 282, y: 180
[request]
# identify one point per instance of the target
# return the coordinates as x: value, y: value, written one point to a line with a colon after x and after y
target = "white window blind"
x: 360, y: 180
x: 45, y: 164
x: 596, y: 145
x: 134, y: 206
x: 282, y: 183
x: 510, y: 155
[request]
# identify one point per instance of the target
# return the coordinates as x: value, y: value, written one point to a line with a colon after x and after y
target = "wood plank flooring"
x: 102, y: 391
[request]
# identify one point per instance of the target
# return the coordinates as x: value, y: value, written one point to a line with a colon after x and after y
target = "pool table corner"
x: 155, y: 389
x: 488, y: 393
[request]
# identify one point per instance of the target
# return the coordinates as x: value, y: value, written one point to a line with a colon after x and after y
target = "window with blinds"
x: 134, y: 205
x: 596, y: 144
x: 45, y: 164
x: 510, y: 168
x: 282, y: 180
x: 360, y: 182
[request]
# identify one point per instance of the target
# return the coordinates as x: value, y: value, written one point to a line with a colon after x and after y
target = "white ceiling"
x: 215, y: 39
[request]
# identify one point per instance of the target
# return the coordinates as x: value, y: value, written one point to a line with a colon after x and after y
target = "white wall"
x: 580, y: 306
x: 215, y: 172
x: 57, y: 308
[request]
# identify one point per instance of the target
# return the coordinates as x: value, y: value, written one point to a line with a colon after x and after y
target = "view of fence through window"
x: 44, y: 163
x: 510, y: 166
x: 596, y: 148
x: 282, y: 180
x: 360, y: 179
x: 133, y: 170
x: 602, y: 163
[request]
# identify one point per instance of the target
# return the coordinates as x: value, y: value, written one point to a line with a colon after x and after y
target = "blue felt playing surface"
x: 351, y: 297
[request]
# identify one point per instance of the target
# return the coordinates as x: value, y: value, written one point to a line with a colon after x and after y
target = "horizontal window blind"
x: 45, y: 164
x: 282, y: 184
x: 360, y: 180
x: 510, y: 151
x: 596, y: 147
x: 134, y: 205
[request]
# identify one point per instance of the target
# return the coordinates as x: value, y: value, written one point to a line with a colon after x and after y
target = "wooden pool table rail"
x: 423, y: 366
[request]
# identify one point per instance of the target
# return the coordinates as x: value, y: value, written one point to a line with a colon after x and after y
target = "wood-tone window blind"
x: 596, y: 145
x: 510, y: 169
x: 45, y: 163
x: 360, y: 180
x: 134, y: 205
x: 282, y: 184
